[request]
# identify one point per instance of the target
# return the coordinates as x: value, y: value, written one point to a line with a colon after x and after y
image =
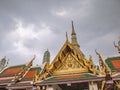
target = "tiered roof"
x: 19, y: 75
x: 31, y: 73
x: 69, y: 65
x: 26, y: 81
x: 70, y: 78
x: 7, y: 75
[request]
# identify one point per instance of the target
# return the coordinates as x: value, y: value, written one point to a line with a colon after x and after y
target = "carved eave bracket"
x: 91, y: 66
x: 103, y: 67
x: 43, y: 74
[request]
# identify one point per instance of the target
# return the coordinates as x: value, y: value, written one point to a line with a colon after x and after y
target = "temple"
x: 69, y: 70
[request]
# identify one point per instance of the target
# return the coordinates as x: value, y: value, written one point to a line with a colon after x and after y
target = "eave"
x: 71, y: 81
x: 19, y: 87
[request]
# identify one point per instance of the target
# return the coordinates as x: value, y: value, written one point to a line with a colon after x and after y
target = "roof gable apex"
x: 66, y: 49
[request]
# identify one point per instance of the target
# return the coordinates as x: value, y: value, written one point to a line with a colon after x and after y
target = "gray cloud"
x: 44, y: 24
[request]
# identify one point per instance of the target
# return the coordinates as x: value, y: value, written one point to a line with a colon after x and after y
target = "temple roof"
x: 113, y: 63
x: 70, y: 78
x: 27, y: 79
x: 12, y: 70
x: 68, y: 61
x: 31, y: 73
x: 7, y: 75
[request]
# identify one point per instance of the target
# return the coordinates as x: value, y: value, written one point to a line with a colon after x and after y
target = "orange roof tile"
x: 12, y: 71
x: 69, y: 76
x: 113, y: 63
x: 116, y: 63
x: 31, y: 74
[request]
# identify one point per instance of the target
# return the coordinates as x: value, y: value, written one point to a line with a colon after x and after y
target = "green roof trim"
x: 36, y: 68
x: 5, y: 81
x: 69, y: 77
x: 21, y: 84
x: 89, y: 76
x: 110, y: 65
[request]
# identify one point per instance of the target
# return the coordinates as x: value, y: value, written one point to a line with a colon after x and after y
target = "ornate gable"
x: 70, y: 65
x: 68, y: 60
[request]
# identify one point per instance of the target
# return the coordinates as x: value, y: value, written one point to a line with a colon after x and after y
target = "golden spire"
x: 66, y: 36
x: 73, y: 30
x: 74, y: 38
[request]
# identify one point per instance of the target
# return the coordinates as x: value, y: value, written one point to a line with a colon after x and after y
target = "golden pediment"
x: 70, y: 65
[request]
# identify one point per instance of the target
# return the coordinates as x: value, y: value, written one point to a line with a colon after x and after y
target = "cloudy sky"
x: 29, y: 27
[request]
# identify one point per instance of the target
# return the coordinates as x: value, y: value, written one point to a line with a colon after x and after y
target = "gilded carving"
x: 117, y: 83
x: 70, y: 65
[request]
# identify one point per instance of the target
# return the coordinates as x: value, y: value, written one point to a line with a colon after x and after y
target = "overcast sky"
x: 29, y: 27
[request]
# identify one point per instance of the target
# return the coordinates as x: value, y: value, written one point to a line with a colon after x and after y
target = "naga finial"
x: 98, y: 54
x: 119, y: 41
x: 102, y: 64
x: 117, y: 46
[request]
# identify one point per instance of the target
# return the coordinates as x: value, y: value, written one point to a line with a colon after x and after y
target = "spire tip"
x: 66, y: 36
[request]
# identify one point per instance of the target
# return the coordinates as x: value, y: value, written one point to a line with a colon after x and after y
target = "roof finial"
x: 101, y: 62
x: 74, y: 38
x: 117, y: 46
x: 66, y: 36
x: 119, y: 41
x: 73, y: 30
